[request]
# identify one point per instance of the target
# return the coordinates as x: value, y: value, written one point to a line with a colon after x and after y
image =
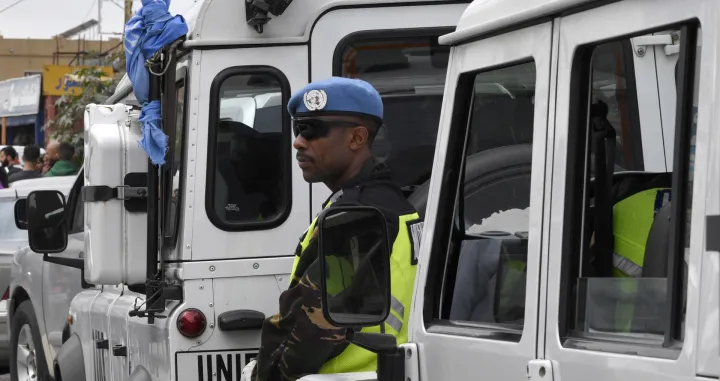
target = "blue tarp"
x: 148, y: 31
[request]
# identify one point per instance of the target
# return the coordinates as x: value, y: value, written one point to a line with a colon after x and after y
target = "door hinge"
x: 643, y: 43
x: 540, y: 370
x: 412, y: 365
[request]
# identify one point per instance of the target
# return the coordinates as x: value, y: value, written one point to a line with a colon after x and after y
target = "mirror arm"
x: 76, y: 263
x: 390, y: 358
x: 380, y: 343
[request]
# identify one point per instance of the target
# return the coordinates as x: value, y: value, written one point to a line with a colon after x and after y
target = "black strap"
x: 102, y: 193
x: 604, y: 144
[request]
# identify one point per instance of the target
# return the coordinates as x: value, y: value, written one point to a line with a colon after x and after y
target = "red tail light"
x: 191, y: 322
x: 6, y: 295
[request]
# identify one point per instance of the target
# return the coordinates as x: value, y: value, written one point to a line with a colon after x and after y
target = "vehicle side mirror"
x: 354, y: 255
x: 46, y: 223
x: 21, y: 214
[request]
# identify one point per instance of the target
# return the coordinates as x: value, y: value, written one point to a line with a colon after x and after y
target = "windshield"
x: 409, y: 73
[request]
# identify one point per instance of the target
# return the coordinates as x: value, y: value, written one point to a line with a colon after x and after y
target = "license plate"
x: 212, y: 366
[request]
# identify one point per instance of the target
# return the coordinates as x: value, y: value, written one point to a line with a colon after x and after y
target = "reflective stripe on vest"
x: 402, y: 281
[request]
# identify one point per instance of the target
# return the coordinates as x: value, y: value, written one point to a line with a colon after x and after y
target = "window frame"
x: 74, y: 200
x: 450, y: 201
x: 576, y: 202
x: 180, y: 83
x: 380, y: 35
x: 286, y: 170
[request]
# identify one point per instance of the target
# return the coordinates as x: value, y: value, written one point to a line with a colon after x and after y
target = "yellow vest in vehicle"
x: 402, y: 280
x: 632, y: 219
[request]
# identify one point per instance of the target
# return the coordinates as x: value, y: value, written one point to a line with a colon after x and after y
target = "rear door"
x: 395, y: 49
x: 660, y: 323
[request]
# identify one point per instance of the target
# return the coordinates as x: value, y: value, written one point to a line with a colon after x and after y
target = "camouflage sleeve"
x: 308, y: 339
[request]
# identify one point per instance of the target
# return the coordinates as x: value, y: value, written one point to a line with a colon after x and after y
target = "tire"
x: 486, y: 167
x: 24, y: 332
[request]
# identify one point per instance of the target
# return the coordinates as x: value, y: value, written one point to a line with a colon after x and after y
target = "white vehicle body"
x: 210, y: 259
x: 222, y: 270
x: 552, y: 48
x: 25, y: 268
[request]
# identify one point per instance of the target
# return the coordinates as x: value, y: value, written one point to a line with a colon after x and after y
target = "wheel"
x: 27, y: 357
x: 490, y: 167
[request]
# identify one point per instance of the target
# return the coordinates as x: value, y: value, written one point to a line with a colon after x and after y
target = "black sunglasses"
x: 311, y: 129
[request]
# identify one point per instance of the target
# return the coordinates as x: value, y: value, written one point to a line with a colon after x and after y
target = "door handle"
x: 240, y: 320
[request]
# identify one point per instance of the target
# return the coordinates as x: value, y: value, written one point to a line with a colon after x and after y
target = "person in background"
x: 63, y: 166
x: 31, y: 164
x: 51, y: 155
x: 9, y: 159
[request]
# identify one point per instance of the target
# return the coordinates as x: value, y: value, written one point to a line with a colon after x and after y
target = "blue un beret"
x: 337, y: 95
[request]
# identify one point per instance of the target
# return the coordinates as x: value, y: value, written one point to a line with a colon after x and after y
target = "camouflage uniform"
x: 298, y: 340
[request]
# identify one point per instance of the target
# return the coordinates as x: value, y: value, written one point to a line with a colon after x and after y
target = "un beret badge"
x: 315, y: 100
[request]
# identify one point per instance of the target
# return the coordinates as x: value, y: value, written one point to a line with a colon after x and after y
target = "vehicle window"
x: 250, y: 144
x: 8, y: 230
x: 485, y: 264
x: 76, y: 206
x: 78, y: 222
x: 173, y: 217
x: 626, y: 254
x: 614, y: 85
x: 409, y: 73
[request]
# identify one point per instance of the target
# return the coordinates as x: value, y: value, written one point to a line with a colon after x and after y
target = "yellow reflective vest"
x: 632, y: 219
x: 403, y: 266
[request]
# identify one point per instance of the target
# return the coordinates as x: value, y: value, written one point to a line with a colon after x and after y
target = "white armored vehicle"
x: 556, y: 115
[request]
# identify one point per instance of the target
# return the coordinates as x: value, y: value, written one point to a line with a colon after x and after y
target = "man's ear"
x: 358, y: 137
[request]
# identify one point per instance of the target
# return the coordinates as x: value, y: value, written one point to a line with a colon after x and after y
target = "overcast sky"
x: 42, y: 18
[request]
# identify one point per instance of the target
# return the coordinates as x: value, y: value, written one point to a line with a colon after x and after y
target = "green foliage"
x: 70, y: 108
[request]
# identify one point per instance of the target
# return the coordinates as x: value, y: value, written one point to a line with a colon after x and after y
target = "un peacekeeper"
x: 334, y: 122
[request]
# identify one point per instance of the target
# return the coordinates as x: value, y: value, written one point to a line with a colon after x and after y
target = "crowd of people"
x: 58, y: 160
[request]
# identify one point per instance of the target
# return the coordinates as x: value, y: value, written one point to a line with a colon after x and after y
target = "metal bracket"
x: 712, y: 238
x: 97, y: 193
x: 640, y: 44
x: 412, y: 361
x: 119, y: 350
x: 102, y: 344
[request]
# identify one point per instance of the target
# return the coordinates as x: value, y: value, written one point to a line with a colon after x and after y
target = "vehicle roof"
x: 484, y: 16
x: 7, y: 192
x: 222, y: 22
x: 60, y: 183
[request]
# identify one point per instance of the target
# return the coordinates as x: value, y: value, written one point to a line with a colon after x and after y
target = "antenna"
x: 99, y: 3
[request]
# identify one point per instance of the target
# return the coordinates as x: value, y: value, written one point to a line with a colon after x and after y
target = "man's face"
x: 4, y: 159
x: 325, y: 146
x: 51, y: 153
